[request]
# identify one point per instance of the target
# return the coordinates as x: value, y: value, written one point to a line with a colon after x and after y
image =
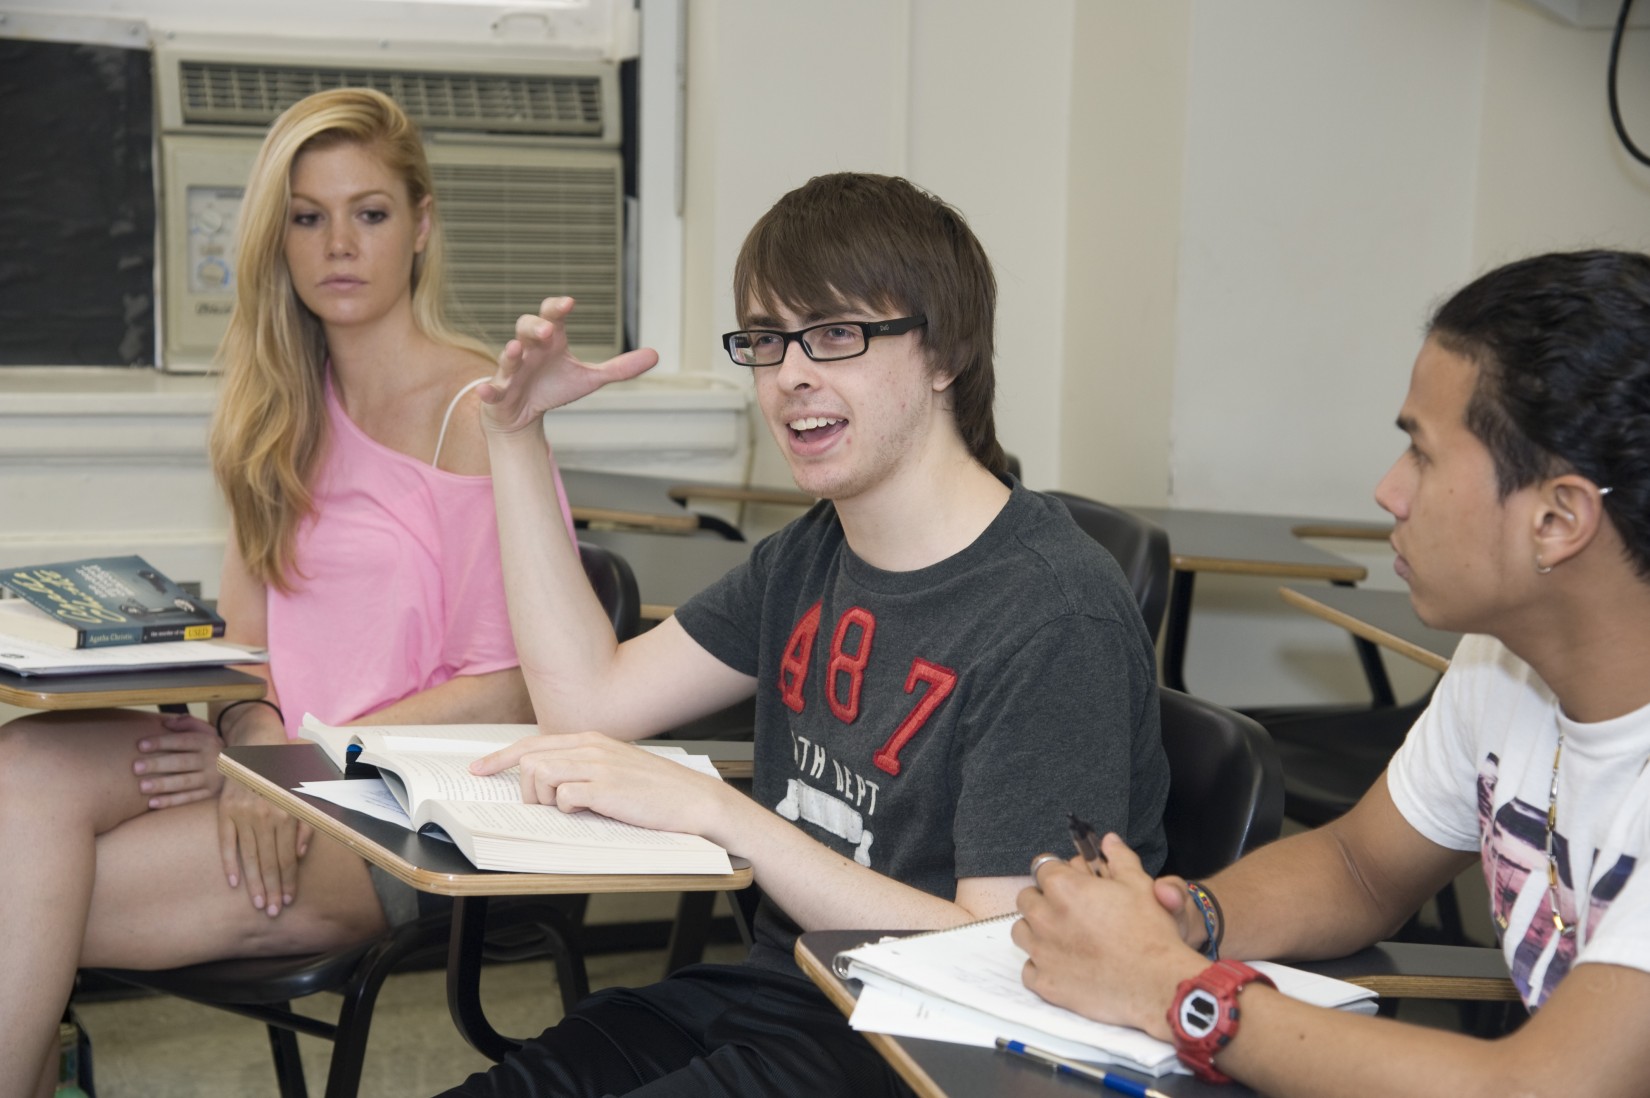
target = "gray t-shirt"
x: 941, y: 723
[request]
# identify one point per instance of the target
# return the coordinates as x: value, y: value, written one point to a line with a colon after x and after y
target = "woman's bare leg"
x: 92, y: 876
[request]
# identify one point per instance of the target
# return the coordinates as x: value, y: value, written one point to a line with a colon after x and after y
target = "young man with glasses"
x: 1523, y: 519
x: 944, y: 665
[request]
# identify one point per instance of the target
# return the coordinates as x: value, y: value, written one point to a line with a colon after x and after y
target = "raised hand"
x: 536, y: 371
x: 179, y: 765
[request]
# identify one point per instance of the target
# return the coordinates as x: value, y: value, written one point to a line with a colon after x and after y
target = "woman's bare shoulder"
x: 464, y: 449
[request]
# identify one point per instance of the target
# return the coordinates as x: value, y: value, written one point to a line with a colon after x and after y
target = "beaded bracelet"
x: 246, y: 701
x: 1214, y: 920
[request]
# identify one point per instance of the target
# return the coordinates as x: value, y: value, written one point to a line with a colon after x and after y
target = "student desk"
x: 670, y: 569
x: 1234, y: 543
x: 652, y: 503
x: 167, y: 687
x: 437, y: 867
x: 1386, y: 618
x: 733, y: 493
x: 626, y: 500
x: 935, y: 1069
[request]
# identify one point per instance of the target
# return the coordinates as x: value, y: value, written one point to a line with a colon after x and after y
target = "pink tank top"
x: 399, y: 586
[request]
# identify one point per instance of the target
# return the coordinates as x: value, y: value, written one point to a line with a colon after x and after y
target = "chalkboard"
x: 77, y: 205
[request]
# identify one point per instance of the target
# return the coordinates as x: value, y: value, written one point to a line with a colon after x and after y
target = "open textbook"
x: 427, y: 769
x: 963, y: 985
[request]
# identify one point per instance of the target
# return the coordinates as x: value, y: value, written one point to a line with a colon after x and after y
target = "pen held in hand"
x: 1060, y: 1065
x: 1087, y: 841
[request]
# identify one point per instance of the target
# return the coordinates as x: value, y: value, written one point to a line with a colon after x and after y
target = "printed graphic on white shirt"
x: 1521, y: 901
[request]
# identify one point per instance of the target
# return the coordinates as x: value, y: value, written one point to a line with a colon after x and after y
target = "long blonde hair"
x: 270, y: 425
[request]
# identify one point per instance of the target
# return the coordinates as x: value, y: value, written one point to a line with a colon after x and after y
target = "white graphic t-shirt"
x: 1476, y: 772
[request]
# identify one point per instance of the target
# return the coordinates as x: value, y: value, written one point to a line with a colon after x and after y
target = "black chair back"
x: 615, y: 586
x: 1225, y: 785
x: 1140, y: 547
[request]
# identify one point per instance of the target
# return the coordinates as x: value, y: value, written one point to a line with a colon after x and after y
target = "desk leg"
x: 464, y: 980
x: 1178, y: 629
x: 1369, y: 655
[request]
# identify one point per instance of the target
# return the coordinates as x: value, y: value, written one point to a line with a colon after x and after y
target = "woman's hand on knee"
x: 260, y: 846
x: 180, y: 764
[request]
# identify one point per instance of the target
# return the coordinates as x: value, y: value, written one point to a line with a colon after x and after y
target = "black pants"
x: 725, y: 1030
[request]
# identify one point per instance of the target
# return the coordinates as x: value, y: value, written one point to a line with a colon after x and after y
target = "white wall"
x: 1328, y: 197
x: 947, y: 92
x: 1551, y: 173
x: 1123, y: 211
x: 1329, y: 192
x: 1218, y: 226
x: 1346, y: 166
x: 990, y: 107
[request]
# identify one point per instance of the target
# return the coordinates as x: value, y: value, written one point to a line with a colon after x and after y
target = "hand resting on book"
x: 588, y: 770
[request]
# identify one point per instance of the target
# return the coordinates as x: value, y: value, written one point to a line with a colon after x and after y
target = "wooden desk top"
x: 427, y: 864
x: 733, y: 493
x: 670, y: 569
x: 1385, y: 617
x: 936, y: 1069
x: 1249, y: 545
x: 626, y: 500
x: 163, y: 686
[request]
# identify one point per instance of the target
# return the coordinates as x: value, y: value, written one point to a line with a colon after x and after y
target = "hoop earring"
x: 1541, y: 569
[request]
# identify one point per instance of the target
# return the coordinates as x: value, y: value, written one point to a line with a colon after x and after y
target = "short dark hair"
x: 878, y: 241
x: 1562, y: 345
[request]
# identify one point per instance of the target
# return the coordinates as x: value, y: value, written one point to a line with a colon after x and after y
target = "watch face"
x: 1199, y: 1012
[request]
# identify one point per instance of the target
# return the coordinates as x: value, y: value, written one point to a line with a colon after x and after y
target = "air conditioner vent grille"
x: 517, y: 234
x: 227, y: 93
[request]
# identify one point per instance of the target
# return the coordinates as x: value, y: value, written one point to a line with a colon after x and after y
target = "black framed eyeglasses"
x: 830, y: 342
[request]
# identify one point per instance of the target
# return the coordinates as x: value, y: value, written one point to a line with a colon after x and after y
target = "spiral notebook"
x: 963, y: 985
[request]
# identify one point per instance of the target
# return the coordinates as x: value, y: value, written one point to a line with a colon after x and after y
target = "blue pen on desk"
x: 1062, y: 1066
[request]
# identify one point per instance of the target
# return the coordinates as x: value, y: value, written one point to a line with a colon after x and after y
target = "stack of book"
x: 107, y: 614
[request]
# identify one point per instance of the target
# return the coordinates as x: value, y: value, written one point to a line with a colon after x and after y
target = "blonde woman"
x: 364, y: 553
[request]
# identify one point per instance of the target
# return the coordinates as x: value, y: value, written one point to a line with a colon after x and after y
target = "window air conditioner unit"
x: 525, y: 155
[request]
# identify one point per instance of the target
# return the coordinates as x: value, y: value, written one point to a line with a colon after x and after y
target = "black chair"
x: 1225, y: 785
x: 1331, y: 759
x: 263, y: 987
x: 1141, y: 549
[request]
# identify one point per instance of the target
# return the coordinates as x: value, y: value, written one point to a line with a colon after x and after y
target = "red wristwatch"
x: 1204, y: 1015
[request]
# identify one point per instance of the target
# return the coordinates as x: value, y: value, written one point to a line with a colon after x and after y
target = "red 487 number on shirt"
x: 845, y: 675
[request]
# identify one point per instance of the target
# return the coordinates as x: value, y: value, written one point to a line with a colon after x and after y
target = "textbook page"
x: 418, y: 779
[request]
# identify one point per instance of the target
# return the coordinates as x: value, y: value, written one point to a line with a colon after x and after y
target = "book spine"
x: 108, y: 636
x: 193, y: 631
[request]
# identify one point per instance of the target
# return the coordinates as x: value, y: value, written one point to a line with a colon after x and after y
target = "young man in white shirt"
x: 1523, y: 520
